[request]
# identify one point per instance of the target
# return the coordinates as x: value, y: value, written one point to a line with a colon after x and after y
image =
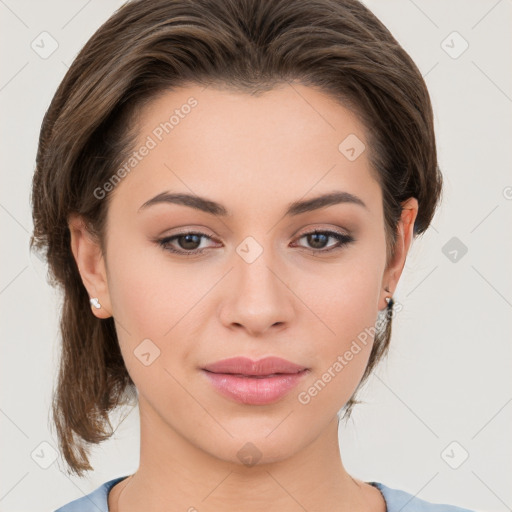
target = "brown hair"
x: 148, y: 47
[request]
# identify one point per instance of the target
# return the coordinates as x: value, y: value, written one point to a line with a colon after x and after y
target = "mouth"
x: 241, y: 375
x: 254, y: 382
x: 243, y: 366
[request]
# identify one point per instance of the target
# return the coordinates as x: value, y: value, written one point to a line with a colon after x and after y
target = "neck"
x: 174, y: 474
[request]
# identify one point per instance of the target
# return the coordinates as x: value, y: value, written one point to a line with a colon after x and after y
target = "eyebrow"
x: 217, y: 209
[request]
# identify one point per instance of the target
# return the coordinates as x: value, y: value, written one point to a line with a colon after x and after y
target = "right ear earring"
x: 95, y: 303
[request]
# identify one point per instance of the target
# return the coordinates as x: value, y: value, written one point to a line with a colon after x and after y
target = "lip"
x: 248, y: 367
x: 254, y: 382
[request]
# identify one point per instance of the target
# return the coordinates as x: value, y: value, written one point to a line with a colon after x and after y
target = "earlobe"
x: 91, y: 265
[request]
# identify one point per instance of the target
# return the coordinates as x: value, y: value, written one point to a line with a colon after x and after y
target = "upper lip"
x: 246, y: 366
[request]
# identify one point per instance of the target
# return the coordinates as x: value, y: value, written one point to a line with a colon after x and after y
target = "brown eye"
x: 189, y: 242
x: 317, y: 240
x: 186, y: 244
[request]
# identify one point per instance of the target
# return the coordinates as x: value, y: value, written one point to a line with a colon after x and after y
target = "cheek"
x: 149, y: 304
x: 341, y: 354
x: 346, y: 311
x: 348, y: 296
x: 155, y: 300
x: 147, y: 295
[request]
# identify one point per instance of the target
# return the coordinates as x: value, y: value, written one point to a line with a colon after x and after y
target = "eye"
x: 189, y: 243
x: 318, y: 240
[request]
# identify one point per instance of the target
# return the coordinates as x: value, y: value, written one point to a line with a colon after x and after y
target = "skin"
x: 254, y: 155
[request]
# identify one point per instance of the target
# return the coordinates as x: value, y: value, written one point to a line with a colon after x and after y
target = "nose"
x: 259, y: 297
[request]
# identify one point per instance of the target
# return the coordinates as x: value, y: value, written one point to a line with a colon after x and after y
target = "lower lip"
x: 252, y: 390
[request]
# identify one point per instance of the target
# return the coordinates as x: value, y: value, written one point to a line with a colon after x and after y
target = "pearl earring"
x: 95, y: 302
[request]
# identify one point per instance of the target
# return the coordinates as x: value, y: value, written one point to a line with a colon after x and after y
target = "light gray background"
x: 447, y: 377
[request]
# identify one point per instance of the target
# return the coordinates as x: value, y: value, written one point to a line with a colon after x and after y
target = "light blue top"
x: 396, y: 500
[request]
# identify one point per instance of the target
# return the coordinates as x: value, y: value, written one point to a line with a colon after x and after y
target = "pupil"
x: 315, y: 237
x: 190, y: 239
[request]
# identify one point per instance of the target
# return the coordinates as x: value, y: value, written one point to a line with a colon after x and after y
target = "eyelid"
x: 320, y: 229
x: 189, y: 230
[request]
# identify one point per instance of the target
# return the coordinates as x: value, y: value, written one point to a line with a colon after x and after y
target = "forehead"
x: 288, y: 143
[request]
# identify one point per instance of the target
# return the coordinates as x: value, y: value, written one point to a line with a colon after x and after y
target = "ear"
x: 404, y: 239
x: 91, y: 265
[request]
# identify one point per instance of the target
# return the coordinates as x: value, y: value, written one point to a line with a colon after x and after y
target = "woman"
x: 227, y: 191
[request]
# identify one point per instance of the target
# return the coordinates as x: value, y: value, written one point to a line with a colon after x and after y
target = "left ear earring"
x: 389, y: 300
x: 95, y: 302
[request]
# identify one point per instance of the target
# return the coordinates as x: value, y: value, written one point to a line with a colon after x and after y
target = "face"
x: 254, y: 275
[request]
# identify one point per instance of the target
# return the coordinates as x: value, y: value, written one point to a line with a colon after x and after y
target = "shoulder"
x: 96, y: 501
x: 397, y: 500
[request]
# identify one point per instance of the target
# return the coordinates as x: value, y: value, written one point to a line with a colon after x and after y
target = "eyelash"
x: 342, y: 239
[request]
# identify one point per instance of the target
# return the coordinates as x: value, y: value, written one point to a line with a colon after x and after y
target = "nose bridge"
x: 255, y: 259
